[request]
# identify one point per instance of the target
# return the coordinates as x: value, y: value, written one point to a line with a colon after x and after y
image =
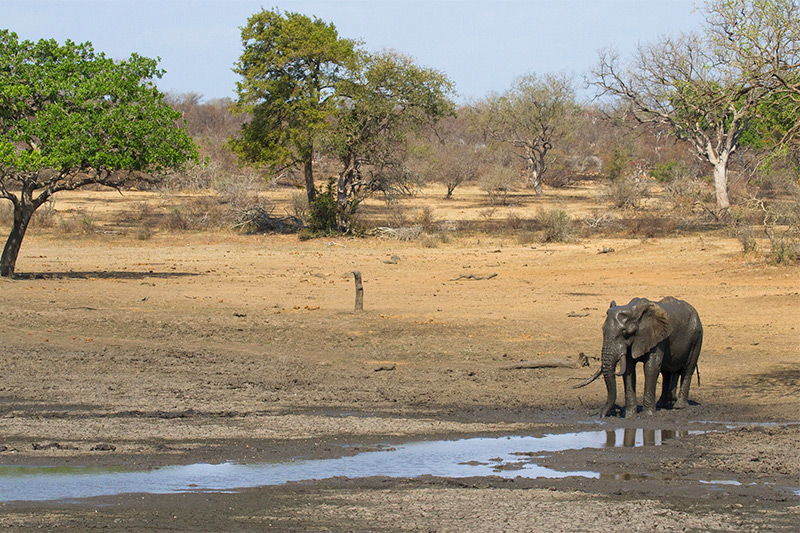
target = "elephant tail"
x: 697, y: 369
x: 594, y: 377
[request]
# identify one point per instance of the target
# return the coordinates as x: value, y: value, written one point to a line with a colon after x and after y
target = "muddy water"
x: 501, y: 456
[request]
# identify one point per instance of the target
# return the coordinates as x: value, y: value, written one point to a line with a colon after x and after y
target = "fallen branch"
x: 542, y: 363
x: 473, y: 276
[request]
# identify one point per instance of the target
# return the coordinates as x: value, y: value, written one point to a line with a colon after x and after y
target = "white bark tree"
x: 696, y: 90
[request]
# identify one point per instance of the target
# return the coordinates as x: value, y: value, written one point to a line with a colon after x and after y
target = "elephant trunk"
x: 609, y: 363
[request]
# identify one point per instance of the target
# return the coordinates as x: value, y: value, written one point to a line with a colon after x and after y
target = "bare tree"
x: 697, y: 91
x: 531, y: 117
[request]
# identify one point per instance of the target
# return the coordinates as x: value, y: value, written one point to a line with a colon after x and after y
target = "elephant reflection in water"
x: 650, y: 437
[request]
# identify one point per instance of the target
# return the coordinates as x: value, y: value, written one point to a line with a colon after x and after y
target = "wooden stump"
x: 359, y: 291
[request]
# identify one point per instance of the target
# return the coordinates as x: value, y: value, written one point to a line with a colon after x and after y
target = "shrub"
x: 323, y: 216
x: 299, y: 205
x: 425, y: 218
x: 556, y: 225
x: 498, y: 182
x: 747, y: 239
x: 614, y: 167
x: 627, y: 193
x: 668, y: 172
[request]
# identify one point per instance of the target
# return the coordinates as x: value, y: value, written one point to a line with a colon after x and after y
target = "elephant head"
x: 633, y: 329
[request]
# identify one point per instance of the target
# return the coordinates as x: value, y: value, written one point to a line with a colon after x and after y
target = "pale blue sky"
x: 481, y: 45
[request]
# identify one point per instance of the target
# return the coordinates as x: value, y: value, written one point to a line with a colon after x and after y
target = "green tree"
x: 386, y: 98
x: 763, y: 37
x: 289, y: 67
x: 531, y: 117
x: 70, y: 117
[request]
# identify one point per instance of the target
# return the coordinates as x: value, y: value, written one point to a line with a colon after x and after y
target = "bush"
x: 323, y: 216
x: 426, y: 219
x: 669, y: 172
x: 627, y: 193
x: 614, y: 167
x: 498, y: 183
x: 556, y: 225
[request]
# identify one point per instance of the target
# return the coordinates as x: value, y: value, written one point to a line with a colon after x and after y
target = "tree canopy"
x: 69, y: 117
x: 531, y: 117
x: 309, y: 91
x: 290, y: 66
x: 386, y: 98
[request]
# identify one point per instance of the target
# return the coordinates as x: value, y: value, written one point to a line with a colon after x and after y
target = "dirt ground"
x: 193, y: 347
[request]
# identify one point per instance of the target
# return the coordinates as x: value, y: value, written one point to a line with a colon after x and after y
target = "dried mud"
x: 212, y: 347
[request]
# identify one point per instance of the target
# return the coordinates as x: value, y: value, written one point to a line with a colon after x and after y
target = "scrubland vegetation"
x: 693, y: 132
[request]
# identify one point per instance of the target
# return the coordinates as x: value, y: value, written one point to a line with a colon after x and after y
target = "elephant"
x: 665, y: 336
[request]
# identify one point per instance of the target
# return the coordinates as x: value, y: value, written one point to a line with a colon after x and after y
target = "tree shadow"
x: 106, y: 274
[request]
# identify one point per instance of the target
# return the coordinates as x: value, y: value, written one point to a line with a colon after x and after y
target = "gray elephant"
x: 665, y: 336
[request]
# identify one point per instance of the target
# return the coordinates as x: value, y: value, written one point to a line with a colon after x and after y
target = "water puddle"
x: 500, y: 456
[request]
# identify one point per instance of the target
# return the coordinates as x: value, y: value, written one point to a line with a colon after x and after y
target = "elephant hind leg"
x: 669, y: 388
x: 686, y: 376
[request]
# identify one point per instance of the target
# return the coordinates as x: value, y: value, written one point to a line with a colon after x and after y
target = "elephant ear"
x: 654, y: 327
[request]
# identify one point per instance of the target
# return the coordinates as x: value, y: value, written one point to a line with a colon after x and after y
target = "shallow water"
x: 500, y: 456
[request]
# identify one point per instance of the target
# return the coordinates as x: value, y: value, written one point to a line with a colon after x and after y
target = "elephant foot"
x: 680, y: 404
x: 648, y: 412
x: 630, y: 412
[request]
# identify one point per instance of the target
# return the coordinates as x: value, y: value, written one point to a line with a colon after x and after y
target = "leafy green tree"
x: 385, y: 99
x: 763, y: 37
x: 531, y: 117
x: 289, y: 67
x: 70, y: 117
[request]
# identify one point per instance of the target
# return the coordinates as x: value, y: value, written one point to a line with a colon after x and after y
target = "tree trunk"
x: 535, y: 170
x: 308, y: 171
x: 8, y: 261
x: 721, y: 182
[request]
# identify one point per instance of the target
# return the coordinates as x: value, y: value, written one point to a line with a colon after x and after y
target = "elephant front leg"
x: 652, y: 368
x: 630, y: 390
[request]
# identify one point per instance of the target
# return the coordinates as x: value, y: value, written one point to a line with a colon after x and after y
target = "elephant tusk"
x: 622, y: 366
x: 594, y: 377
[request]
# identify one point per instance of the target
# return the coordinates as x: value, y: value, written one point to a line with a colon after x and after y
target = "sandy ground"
x: 213, y: 347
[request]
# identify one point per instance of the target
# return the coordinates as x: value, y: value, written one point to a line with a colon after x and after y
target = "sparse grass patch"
x: 649, y: 226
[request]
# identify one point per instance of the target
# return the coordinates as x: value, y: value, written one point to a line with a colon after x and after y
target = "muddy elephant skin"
x: 665, y: 336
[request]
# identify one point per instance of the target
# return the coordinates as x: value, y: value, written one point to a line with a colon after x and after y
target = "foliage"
x: 70, y: 117
x: 614, y: 167
x: 668, y: 172
x: 289, y: 67
x: 763, y: 38
x: 323, y: 216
